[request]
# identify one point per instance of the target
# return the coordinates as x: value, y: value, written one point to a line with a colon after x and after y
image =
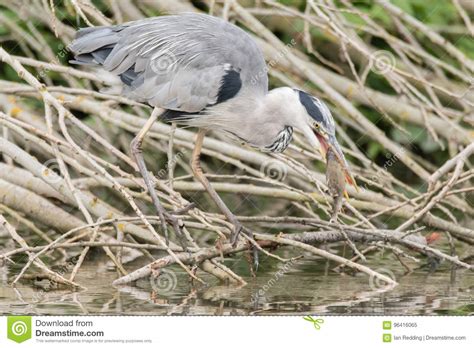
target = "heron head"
x: 322, y: 125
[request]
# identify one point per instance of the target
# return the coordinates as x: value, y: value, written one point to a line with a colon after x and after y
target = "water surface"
x: 305, y: 286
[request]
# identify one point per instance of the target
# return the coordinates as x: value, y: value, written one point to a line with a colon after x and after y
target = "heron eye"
x: 316, y: 125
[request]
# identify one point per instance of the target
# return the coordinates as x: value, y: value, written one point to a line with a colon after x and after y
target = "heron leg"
x: 137, y: 152
x: 198, y: 173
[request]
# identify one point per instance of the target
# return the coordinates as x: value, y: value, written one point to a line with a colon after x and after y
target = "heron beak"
x: 330, y: 141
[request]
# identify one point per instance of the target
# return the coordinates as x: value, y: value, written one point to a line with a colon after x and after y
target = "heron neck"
x: 268, y: 120
x: 283, y: 107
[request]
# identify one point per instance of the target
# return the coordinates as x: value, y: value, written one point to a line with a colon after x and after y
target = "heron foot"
x: 236, y: 232
x: 178, y: 227
x: 256, y: 261
x: 238, y: 228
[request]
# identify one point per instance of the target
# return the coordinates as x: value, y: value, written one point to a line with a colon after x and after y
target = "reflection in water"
x: 308, y: 287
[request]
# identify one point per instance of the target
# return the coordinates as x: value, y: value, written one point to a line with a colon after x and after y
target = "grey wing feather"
x: 176, y: 62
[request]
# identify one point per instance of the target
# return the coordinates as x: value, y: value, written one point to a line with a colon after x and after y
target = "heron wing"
x: 182, y: 62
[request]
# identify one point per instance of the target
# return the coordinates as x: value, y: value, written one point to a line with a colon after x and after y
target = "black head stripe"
x: 311, y: 108
x: 318, y: 111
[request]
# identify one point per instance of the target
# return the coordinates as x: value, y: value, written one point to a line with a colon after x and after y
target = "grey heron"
x: 206, y: 73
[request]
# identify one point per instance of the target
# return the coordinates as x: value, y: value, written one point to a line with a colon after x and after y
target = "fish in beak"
x: 330, y: 142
